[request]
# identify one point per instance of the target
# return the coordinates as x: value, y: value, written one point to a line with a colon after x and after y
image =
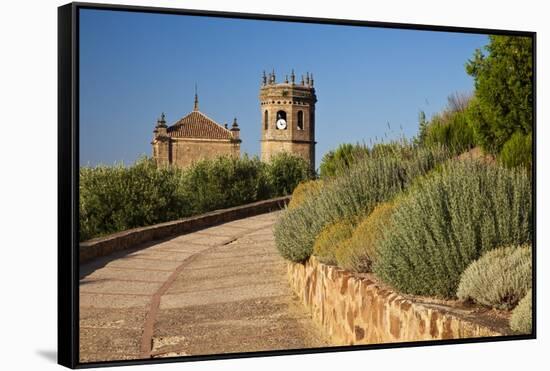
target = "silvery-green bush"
x: 448, y: 220
x: 370, y: 180
x: 499, y: 279
x: 522, y: 315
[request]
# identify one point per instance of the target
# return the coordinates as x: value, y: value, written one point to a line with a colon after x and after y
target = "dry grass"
x: 359, y: 252
x: 310, y: 188
x: 328, y: 241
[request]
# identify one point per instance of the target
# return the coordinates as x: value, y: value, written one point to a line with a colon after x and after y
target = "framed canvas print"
x: 242, y: 185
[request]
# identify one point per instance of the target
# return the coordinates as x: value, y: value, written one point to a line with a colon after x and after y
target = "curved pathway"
x: 219, y: 290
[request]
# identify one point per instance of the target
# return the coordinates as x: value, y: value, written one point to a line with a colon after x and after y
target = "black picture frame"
x: 68, y: 169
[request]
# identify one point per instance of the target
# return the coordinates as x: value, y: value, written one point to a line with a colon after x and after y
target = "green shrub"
x: 522, y: 315
x: 451, y: 130
x: 330, y: 237
x: 517, y: 151
x: 338, y: 161
x: 285, y: 171
x: 500, y: 278
x: 359, y: 252
x: 225, y: 182
x: 450, y: 219
x: 115, y: 198
x: 306, y: 189
x: 371, y: 180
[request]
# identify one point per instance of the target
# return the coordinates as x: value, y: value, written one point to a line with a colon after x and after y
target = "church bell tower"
x: 288, y: 117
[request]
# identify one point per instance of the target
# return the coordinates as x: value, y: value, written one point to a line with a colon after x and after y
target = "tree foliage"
x: 503, y: 99
x: 517, y: 150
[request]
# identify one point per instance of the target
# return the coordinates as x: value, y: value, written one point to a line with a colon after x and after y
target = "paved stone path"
x: 219, y: 290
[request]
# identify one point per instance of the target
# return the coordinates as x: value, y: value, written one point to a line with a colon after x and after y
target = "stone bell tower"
x: 288, y: 117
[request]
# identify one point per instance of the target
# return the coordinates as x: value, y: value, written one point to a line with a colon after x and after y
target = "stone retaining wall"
x: 130, y: 238
x: 353, y: 309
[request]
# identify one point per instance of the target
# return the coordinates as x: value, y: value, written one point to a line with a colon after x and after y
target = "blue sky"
x: 133, y: 66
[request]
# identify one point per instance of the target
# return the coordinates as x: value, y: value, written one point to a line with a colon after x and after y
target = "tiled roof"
x: 198, y: 125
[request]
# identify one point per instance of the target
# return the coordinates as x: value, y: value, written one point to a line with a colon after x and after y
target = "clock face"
x: 281, y: 124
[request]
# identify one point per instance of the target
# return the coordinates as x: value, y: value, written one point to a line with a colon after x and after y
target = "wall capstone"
x: 106, y: 245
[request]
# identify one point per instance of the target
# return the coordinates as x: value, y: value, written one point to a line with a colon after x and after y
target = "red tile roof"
x: 198, y: 125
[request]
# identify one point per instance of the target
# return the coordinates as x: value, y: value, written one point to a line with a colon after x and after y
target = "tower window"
x: 300, y: 124
x: 266, y: 118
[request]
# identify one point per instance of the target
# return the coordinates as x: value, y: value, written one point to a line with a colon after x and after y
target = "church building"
x: 193, y: 138
x: 287, y: 119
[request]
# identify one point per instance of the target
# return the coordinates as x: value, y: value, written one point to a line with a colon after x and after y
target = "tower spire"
x: 196, y: 105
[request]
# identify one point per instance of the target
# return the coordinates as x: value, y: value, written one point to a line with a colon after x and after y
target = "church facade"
x: 193, y: 138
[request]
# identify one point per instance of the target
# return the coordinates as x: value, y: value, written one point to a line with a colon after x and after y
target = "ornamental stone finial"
x: 161, y: 121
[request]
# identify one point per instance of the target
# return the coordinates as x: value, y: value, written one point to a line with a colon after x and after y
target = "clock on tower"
x: 288, y: 117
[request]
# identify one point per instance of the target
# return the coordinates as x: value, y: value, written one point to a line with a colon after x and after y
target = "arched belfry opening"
x: 300, y: 121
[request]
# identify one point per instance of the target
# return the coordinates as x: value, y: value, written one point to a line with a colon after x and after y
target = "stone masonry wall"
x: 357, y: 310
x: 186, y: 152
